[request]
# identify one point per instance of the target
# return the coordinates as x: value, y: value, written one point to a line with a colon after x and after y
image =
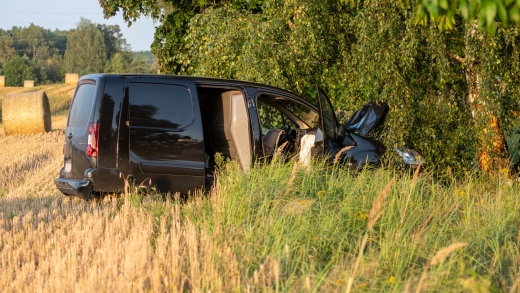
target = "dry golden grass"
x: 50, y: 242
x: 28, y: 161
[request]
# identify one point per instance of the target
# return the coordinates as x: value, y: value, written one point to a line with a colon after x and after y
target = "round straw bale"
x: 26, y: 113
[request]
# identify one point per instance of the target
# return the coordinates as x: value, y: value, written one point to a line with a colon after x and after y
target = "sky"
x: 65, y: 14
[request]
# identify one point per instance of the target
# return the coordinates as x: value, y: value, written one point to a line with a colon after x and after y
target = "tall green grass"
x: 513, y: 142
x: 294, y: 229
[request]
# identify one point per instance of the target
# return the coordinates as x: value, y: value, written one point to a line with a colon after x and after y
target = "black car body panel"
x: 166, y: 142
x: 166, y: 130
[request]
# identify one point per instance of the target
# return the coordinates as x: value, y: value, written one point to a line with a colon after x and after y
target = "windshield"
x: 328, y: 116
x: 305, y: 114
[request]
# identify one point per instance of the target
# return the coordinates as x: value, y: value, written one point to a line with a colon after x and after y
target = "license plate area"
x: 68, y: 166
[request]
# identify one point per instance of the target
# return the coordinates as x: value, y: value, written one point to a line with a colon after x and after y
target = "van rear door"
x: 166, y: 138
x: 77, y: 131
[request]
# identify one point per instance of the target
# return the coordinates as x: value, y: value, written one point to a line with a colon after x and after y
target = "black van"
x: 166, y: 129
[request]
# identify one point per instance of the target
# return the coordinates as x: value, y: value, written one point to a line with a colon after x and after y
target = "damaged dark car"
x: 166, y: 130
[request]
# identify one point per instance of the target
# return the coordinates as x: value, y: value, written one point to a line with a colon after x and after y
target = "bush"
x: 17, y: 69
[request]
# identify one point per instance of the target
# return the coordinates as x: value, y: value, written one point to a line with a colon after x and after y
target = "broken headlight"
x: 410, y: 156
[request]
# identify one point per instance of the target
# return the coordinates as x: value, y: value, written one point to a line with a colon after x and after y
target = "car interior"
x: 226, y: 126
x: 284, y: 122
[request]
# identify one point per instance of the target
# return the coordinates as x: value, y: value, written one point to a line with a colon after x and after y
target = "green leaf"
x: 444, y: 4
x: 502, y: 13
x: 491, y: 28
x: 421, y: 17
x: 464, y: 8
x: 432, y: 8
x: 489, y: 10
x: 514, y: 15
x: 451, y: 18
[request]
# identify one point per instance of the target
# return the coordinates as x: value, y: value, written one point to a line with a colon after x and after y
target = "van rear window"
x: 82, y: 106
x: 160, y: 106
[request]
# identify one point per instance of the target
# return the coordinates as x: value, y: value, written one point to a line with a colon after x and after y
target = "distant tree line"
x: 43, y: 55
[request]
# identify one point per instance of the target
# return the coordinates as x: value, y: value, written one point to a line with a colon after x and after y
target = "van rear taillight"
x: 93, y: 138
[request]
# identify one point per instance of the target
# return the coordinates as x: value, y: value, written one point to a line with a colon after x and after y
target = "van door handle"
x: 187, y: 140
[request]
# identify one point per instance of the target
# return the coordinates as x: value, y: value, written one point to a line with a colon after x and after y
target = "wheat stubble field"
x: 50, y: 242
x: 278, y: 228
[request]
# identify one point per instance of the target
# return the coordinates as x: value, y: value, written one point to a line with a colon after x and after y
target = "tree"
x: 119, y: 63
x: 114, y: 41
x: 34, y: 41
x: 173, y: 18
x: 53, y: 69
x: 6, y: 46
x: 486, y: 113
x: 59, y: 38
x: 86, y: 50
x: 486, y: 13
x: 16, y: 70
x: 143, y: 62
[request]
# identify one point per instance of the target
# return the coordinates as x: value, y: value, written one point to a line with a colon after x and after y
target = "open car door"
x: 328, y: 122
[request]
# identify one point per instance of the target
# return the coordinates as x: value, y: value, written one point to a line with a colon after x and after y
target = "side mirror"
x: 341, y: 131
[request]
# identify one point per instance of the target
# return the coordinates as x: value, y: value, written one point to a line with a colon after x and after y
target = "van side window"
x: 270, y: 117
x: 82, y: 106
x: 160, y: 106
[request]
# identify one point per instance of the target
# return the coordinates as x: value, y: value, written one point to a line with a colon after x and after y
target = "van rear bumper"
x: 94, y: 180
x: 79, y: 188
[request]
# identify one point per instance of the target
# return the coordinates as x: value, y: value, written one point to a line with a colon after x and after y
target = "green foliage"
x: 143, y: 62
x: 343, y: 52
x: 414, y: 74
x: 173, y: 18
x: 17, y: 69
x: 54, y: 69
x: 6, y: 47
x: 371, y: 52
x: 113, y: 39
x: 40, y: 75
x: 86, y: 50
x: 306, y: 234
x: 33, y: 40
x: 118, y: 64
x: 46, y: 49
x: 488, y: 13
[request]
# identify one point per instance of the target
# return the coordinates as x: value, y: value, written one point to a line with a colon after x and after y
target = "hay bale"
x: 71, y: 78
x: 28, y: 83
x: 2, y: 81
x: 26, y: 113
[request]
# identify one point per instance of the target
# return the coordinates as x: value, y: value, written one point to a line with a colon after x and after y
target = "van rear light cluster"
x: 93, y: 139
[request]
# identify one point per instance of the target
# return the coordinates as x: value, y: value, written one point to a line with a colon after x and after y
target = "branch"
x: 458, y: 58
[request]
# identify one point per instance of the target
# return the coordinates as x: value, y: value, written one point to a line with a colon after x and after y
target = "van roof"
x: 196, y: 79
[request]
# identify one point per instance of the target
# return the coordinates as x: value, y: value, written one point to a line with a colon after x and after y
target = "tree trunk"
x: 493, y: 154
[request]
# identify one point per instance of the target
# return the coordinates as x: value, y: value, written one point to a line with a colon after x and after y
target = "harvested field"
x: 27, y: 161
